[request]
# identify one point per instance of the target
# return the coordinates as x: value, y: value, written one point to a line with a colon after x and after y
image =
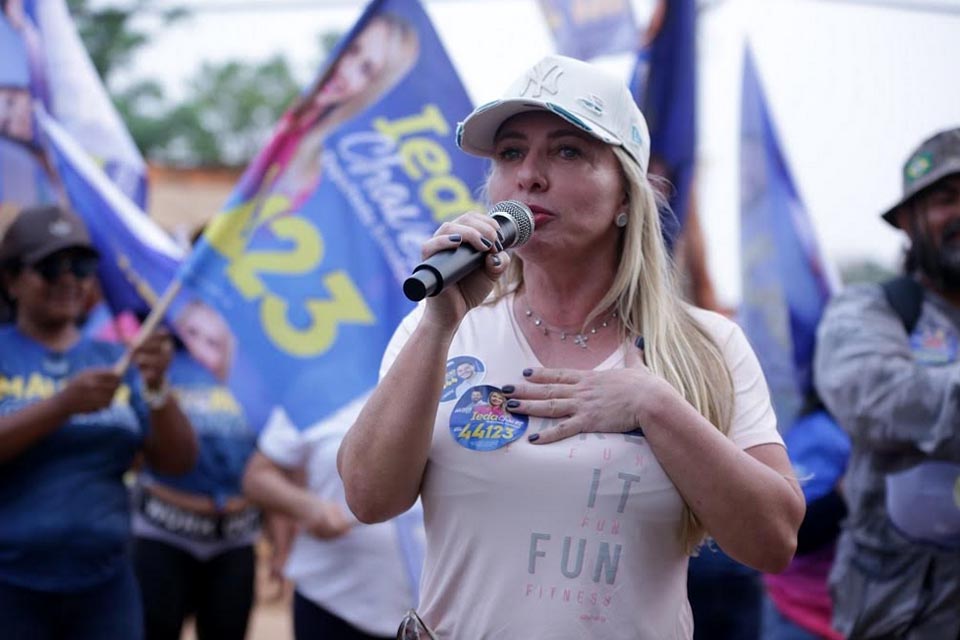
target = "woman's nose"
x: 532, y: 175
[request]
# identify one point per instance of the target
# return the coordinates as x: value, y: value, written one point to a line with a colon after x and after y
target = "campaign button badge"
x: 463, y: 372
x: 480, y: 421
x: 934, y: 345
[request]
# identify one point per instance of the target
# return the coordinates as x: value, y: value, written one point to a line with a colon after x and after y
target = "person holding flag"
x: 536, y: 528
x: 70, y: 427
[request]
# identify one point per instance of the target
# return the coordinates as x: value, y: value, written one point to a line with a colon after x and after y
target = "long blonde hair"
x: 645, y: 295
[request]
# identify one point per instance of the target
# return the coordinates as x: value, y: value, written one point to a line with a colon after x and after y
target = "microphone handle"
x: 447, y: 267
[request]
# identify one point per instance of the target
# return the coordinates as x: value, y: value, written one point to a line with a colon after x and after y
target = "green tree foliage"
x: 229, y: 113
x: 109, y: 34
x: 229, y: 109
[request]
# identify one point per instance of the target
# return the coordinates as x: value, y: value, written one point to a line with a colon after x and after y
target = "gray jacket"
x: 900, y: 409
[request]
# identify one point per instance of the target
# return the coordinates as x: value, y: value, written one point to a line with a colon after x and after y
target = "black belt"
x: 197, y: 526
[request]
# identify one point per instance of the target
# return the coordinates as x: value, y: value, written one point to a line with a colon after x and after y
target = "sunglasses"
x: 52, y: 267
x: 413, y: 628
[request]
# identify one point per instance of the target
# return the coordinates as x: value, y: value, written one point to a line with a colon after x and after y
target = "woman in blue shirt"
x: 70, y: 427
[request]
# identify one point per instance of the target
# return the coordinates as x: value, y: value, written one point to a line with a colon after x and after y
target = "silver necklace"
x: 579, y: 339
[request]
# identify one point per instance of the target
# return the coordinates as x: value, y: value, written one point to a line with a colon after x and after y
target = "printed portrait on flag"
x: 374, y: 60
x: 16, y: 115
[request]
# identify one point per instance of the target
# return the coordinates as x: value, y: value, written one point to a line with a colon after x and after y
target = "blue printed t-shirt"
x: 64, y: 509
x: 224, y: 437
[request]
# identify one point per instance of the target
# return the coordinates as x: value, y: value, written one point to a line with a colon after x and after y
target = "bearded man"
x: 887, y: 368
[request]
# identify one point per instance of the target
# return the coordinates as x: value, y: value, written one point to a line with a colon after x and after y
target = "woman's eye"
x: 508, y: 153
x: 566, y: 151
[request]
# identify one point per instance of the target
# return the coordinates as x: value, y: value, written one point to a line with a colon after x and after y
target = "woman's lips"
x: 540, y: 215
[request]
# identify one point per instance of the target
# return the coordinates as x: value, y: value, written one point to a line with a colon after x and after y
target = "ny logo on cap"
x: 542, y: 78
x: 60, y: 228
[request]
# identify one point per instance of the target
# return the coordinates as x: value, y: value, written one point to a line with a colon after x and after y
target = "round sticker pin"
x: 480, y: 421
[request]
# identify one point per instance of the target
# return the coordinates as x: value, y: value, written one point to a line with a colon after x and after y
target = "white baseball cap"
x: 578, y: 92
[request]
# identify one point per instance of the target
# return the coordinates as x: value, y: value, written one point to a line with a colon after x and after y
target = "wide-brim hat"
x: 41, y: 231
x: 580, y: 93
x: 935, y: 159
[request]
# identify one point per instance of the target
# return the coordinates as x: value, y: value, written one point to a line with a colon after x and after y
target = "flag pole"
x: 157, y: 312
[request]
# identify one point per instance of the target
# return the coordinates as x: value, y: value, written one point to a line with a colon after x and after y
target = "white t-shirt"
x: 575, y: 539
x: 361, y: 576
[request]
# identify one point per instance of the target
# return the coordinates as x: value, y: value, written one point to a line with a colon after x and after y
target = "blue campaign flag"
x: 786, y: 283
x: 307, y: 259
x: 138, y: 260
x: 23, y: 177
x: 586, y: 29
x: 664, y: 84
x: 43, y: 60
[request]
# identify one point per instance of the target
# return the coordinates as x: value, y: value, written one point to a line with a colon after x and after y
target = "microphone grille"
x: 520, y: 215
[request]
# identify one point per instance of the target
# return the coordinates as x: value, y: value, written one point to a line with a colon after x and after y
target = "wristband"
x: 157, y: 399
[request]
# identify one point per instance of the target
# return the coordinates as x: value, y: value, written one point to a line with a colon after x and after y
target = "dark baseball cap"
x: 40, y: 231
x: 935, y: 159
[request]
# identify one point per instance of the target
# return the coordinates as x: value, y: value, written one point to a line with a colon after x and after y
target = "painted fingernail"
x: 639, y: 342
x: 499, y: 246
x: 513, y: 404
x: 533, y: 437
x: 527, y: 373
x: 486, y: 243
x: 456, y: 237
x: 508, y: 388
x: 496, y: 261
x: 500, y: 235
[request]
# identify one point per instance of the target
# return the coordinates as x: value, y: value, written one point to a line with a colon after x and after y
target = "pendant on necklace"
x: 579, y: 339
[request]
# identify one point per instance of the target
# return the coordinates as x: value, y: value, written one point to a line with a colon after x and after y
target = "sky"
x: 853, y: 87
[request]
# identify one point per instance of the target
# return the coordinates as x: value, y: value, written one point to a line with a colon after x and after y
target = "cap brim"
x: 944, y: 171
x: 477, y: 133
x: 53, y: 247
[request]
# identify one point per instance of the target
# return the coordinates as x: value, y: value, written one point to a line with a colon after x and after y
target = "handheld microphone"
x: 448, y: 267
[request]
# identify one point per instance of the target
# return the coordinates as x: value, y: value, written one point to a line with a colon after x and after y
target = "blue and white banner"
x: 138, y: 260
x: 786, y: 282
x: 586, y: 29
x: 664, y: 84
x: 306, y: 262
x: 43, y: 60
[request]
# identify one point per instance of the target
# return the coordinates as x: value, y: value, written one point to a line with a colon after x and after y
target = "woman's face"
x: 571, y: 181
x: 206, y: 337
x: 15, y: 116
x: 361, y: 62
x: 54, y: 291
x: 496, y: 399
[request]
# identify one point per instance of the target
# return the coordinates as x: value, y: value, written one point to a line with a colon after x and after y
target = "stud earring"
x: 621, y: 220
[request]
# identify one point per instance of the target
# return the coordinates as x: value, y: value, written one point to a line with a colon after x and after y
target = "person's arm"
x: 384, y: 454
x: 269, y: 486
x: 747, y: 500
x: 741, y: 488
x: 867, y: 376
x: 279, y: 531
x: 171, y: 444
x: 88, y: 391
